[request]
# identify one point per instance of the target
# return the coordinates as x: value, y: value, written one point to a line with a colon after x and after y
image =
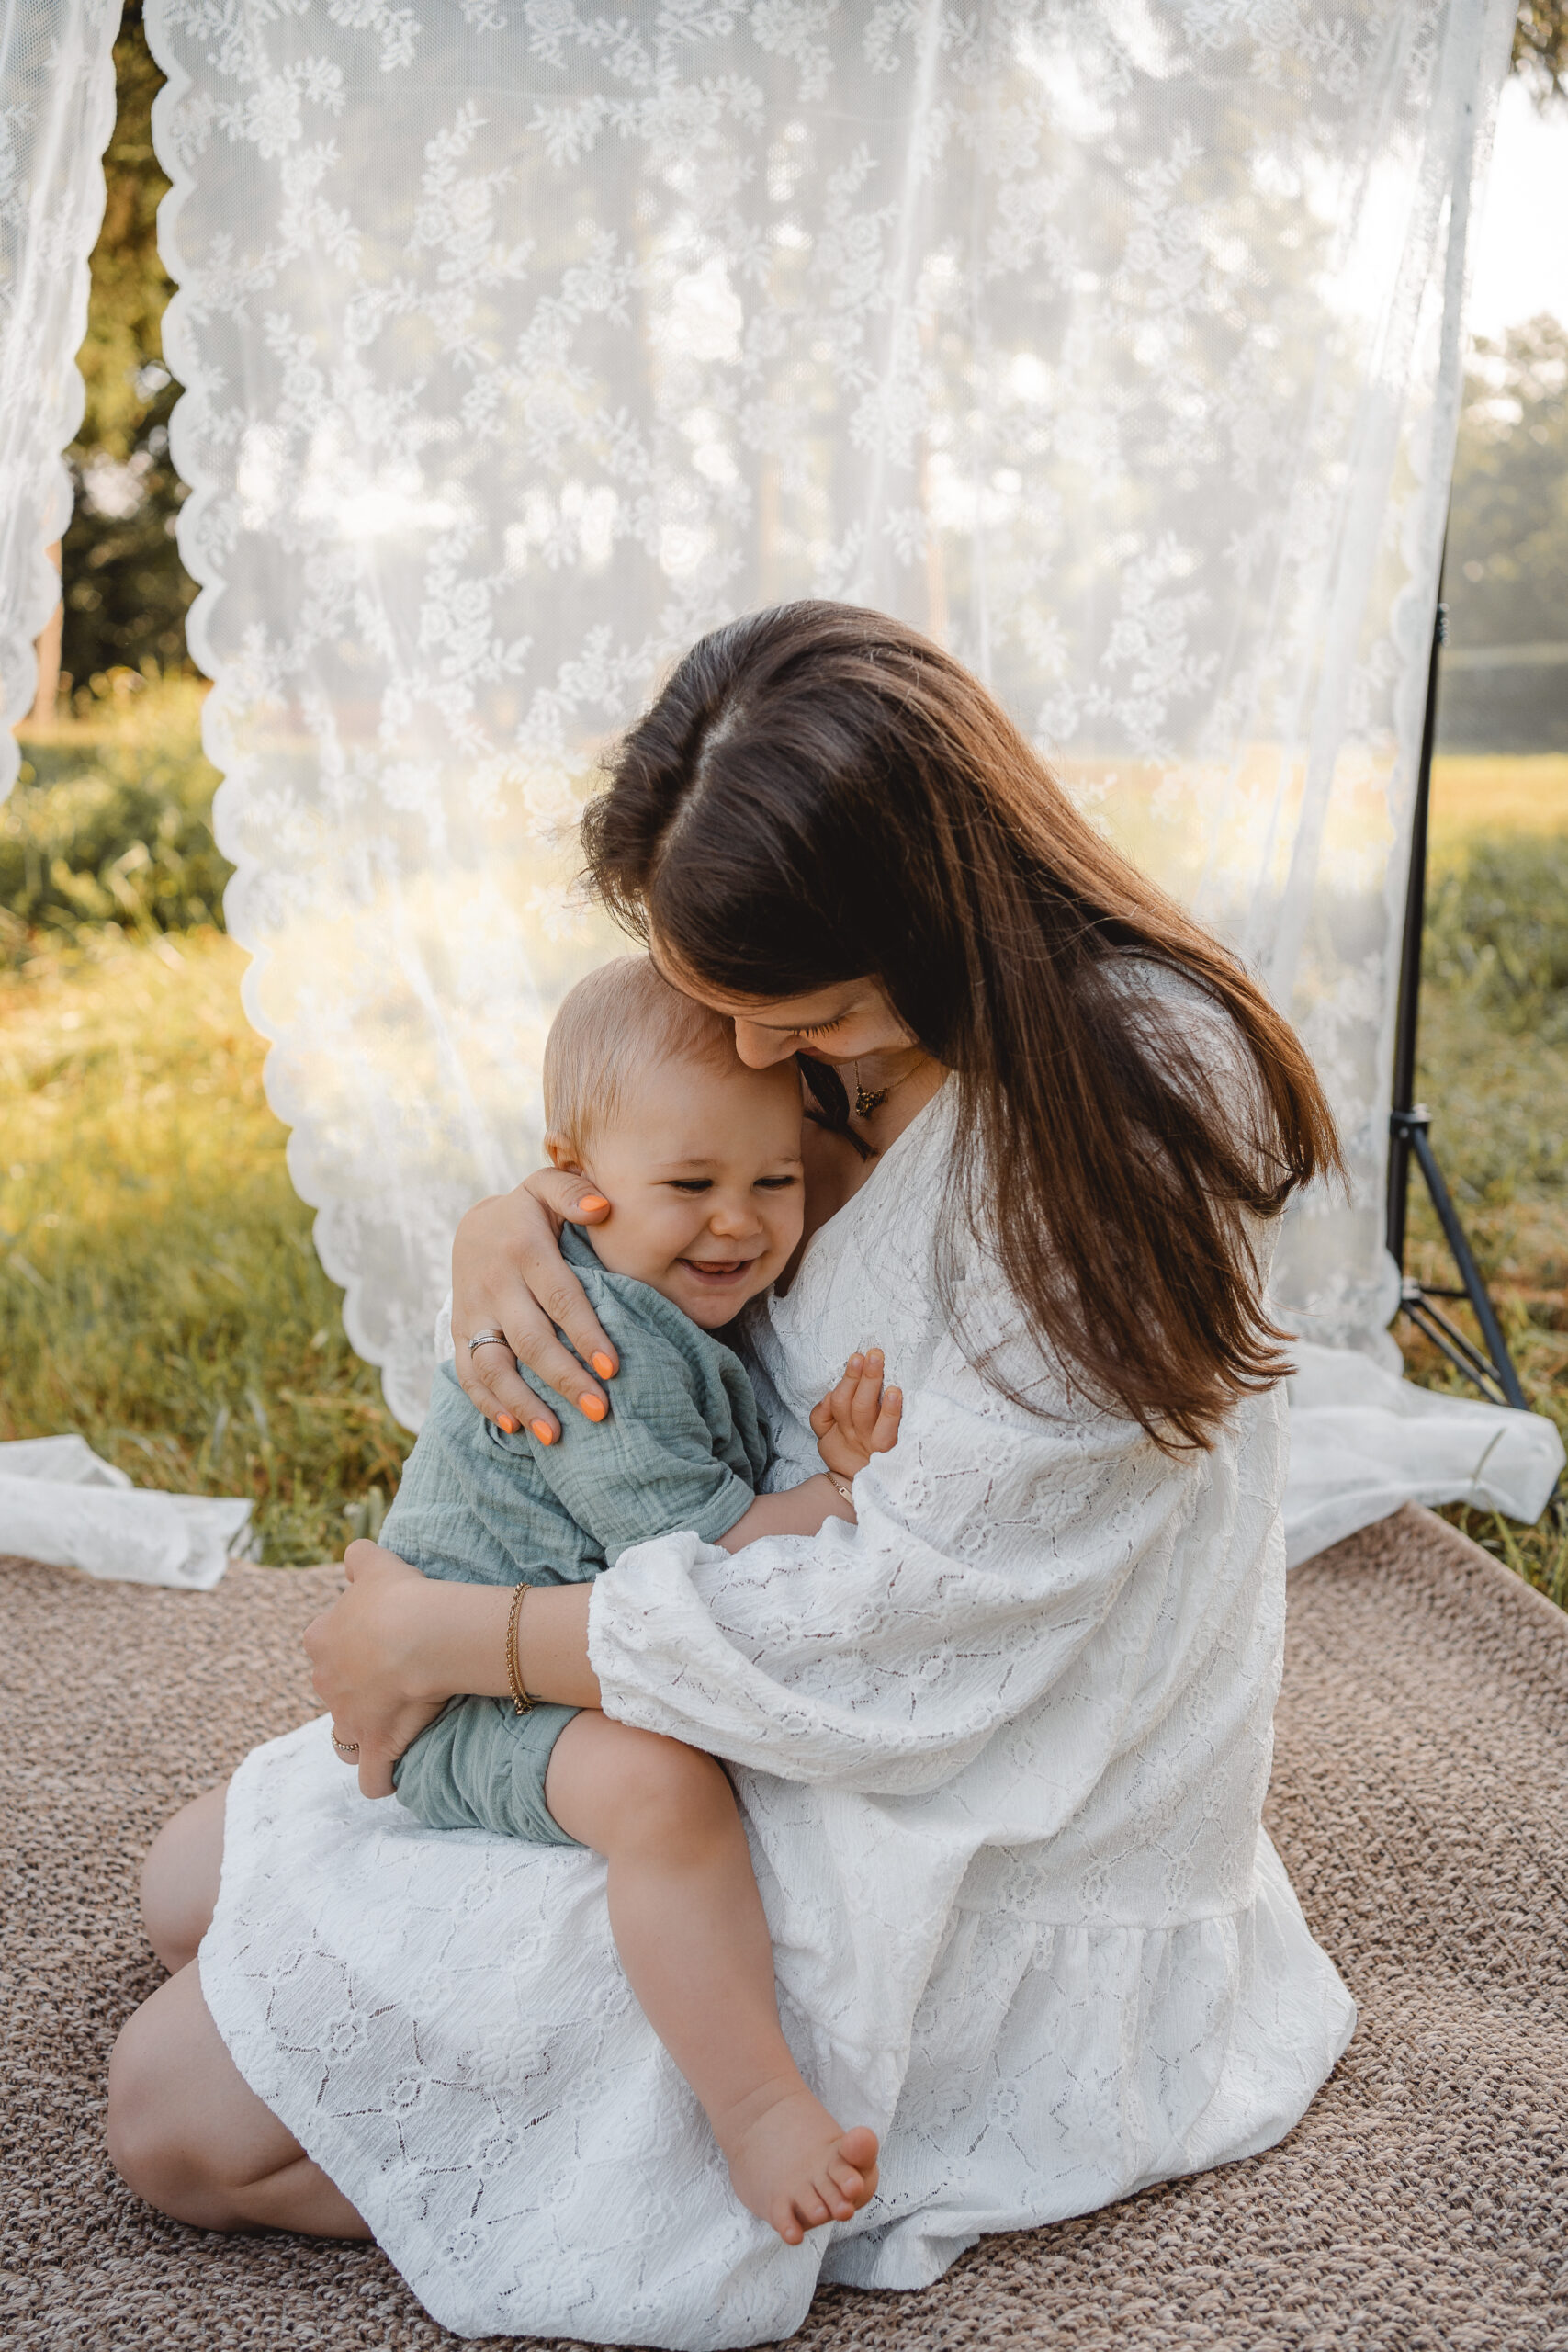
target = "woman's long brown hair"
x: 820, y: 794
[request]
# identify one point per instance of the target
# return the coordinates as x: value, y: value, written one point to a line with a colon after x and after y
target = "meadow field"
x: 159, y: 1290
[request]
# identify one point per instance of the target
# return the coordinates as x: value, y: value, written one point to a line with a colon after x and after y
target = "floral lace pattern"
x: 56, y: 113
x: 1001, y: 1749
x: 524, y: 339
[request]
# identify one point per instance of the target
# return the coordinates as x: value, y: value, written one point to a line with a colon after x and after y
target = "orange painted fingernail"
x: 603, y: 1365
x: 595, y: 1406
x: 504, y: 1421
x: 543, y: 1432
x: 592, y: 1202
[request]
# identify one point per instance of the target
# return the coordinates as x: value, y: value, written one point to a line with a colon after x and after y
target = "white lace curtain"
x: 56, y: 114
x: 1113, y: 342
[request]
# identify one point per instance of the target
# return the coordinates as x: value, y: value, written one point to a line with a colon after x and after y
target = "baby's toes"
x: 809, y: 2209
x: 840, y: 2202
x: 854, y: 2167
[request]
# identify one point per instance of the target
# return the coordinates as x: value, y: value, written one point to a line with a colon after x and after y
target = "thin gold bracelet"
x: 840, y: 1488
x: 521, y: 1701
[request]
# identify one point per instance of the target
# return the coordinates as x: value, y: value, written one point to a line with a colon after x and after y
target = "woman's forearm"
x: 462, y: 1642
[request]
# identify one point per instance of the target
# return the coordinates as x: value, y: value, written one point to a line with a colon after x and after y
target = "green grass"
x: 158, y: 1286
x: 1494, y: 1070
x: 1480, y: 796
x: 108, y: 822
x: 159, y: 1290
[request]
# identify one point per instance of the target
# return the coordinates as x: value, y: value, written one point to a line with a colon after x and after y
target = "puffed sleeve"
x: 991, y: 1545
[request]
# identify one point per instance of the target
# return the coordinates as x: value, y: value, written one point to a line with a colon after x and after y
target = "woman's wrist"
x: 454, y: 1642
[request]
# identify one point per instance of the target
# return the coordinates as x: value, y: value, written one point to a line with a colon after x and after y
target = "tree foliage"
x: 1541, y: 44
x: 1507, y: 572
x: 126, y: 592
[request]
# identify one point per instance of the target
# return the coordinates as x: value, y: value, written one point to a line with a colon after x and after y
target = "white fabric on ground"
x: 1001, y: 1748
x: 1363, y: 1442
x: 64, y: 1504
x: 56, y: 114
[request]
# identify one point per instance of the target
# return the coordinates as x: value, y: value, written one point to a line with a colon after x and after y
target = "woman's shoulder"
x: 1202, y: 1047
x: 1176, y: 1000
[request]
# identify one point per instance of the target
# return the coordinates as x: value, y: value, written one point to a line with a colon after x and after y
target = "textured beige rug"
x: 1420, y: 1800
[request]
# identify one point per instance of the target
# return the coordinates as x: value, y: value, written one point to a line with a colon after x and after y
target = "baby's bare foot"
x: 791, y: 2165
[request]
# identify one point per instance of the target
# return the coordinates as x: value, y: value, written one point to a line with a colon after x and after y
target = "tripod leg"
x: 1470, y: 1272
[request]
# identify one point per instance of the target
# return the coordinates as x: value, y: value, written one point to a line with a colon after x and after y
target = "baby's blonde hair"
x: 618, y: 1021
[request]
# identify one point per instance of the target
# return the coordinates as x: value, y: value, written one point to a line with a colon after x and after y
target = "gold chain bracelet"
x: 521, y: 1701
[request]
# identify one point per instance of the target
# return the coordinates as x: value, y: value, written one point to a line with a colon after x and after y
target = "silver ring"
x: 346, y: 1748
x: 488, y: 1339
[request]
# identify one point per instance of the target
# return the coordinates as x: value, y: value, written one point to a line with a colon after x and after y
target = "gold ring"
x: 345, y: 1747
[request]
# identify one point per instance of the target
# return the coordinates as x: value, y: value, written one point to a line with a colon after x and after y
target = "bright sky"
x: 1521, y: 248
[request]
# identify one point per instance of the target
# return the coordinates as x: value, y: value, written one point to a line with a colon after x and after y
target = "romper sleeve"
x: 680, y: 1448
x: 989, y: 1550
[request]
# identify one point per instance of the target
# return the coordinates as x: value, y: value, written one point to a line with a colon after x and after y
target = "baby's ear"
x: 563, y: 1154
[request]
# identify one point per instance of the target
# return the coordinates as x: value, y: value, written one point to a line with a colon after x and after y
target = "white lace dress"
x: 1003, y: 1749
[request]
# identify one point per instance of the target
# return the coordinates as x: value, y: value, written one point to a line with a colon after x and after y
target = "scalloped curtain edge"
x: 32, y: 587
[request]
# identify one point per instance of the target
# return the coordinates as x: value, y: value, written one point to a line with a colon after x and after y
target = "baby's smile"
x: 701, y: 1165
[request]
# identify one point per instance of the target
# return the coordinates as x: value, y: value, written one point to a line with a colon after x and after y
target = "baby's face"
x: 703, y: 1173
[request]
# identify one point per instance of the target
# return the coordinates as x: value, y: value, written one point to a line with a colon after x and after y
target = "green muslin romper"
x: 683, y: 1448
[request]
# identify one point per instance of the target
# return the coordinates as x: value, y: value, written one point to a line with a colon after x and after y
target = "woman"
x: 1002, y: 1751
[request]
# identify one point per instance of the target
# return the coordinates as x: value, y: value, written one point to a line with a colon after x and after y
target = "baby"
x: 700, y: 1159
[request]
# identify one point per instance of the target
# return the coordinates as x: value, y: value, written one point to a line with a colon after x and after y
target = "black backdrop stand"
x: 1410, y: 1124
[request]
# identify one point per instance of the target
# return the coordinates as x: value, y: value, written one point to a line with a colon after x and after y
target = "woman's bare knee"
x: 188, y: 2135
x: 153, y: 2124
x: 179, y: 1879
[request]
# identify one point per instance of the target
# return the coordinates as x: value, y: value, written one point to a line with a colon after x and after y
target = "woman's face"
x: 848, y: 1022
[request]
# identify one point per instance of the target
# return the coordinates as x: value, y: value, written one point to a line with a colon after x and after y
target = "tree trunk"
x: 48, y: 659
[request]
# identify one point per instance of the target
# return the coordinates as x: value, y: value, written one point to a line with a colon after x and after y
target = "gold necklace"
x: 870, y: 1100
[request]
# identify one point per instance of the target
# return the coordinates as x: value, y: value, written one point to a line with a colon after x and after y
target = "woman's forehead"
x: 768, y: 1012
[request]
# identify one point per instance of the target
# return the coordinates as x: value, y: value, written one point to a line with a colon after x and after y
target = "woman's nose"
x: 761, y: 1048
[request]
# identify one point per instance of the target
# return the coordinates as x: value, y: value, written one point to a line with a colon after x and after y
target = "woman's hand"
x: 392, y: 1649
x: 366, y: 1653
x: 508, y: 1275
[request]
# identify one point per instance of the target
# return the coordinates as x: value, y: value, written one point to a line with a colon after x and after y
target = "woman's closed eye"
x: 823, y: 1028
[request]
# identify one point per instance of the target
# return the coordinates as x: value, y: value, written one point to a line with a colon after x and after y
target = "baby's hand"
x: 859, y: 1418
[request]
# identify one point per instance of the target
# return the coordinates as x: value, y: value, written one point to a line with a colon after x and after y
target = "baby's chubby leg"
x: 690, y: 1929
